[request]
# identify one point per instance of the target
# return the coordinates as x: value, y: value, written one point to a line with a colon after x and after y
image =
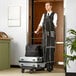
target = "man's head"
x: 48, y: 6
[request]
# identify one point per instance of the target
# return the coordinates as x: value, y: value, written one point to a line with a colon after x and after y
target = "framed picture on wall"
x: 14, y: 16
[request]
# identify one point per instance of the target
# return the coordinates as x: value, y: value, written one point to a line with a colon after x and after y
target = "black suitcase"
x: 34, y: 50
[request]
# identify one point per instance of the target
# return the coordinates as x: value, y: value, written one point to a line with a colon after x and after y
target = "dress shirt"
x: 54, y: 19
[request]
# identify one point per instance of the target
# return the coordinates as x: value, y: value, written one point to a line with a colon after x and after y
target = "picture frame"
x: 14, y: 16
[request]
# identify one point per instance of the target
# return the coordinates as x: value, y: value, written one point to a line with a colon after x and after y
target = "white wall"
x: 70, y: 14
x: 19, y: 34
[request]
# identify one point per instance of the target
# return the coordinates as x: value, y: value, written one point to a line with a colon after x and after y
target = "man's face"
x: 48, y: 6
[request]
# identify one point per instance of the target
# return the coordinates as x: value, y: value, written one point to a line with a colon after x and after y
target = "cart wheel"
x: 31, y: 71
x: 22, y: 70
x: 49, y: 68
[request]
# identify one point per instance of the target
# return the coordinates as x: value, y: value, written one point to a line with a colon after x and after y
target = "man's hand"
x: 35, y: 32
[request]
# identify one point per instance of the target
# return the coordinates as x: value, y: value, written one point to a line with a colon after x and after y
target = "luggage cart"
x: 36, y: 63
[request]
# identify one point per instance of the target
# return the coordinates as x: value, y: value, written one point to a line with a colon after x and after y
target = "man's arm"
x: 55, y: 20
x: 40, y: 24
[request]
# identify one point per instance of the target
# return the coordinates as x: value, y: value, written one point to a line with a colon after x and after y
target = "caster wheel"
x: 49, y: 68
x: 22, y: 70
x: 31, y: 71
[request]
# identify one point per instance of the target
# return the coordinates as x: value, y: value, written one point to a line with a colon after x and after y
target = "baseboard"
x: 70, y: 74
x: 15, y: 66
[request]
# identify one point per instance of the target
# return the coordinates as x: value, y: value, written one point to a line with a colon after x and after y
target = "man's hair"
x: 49, y: 3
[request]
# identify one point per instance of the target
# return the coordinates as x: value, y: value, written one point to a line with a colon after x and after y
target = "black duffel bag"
x: 34, y: 50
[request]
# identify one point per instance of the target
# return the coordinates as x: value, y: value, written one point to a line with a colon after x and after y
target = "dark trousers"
x: 48, y: 41
x: 50, y: 55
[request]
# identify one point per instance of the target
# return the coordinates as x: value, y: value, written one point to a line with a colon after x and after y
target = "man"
x: 48, y: 23
x: 48, y: 8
